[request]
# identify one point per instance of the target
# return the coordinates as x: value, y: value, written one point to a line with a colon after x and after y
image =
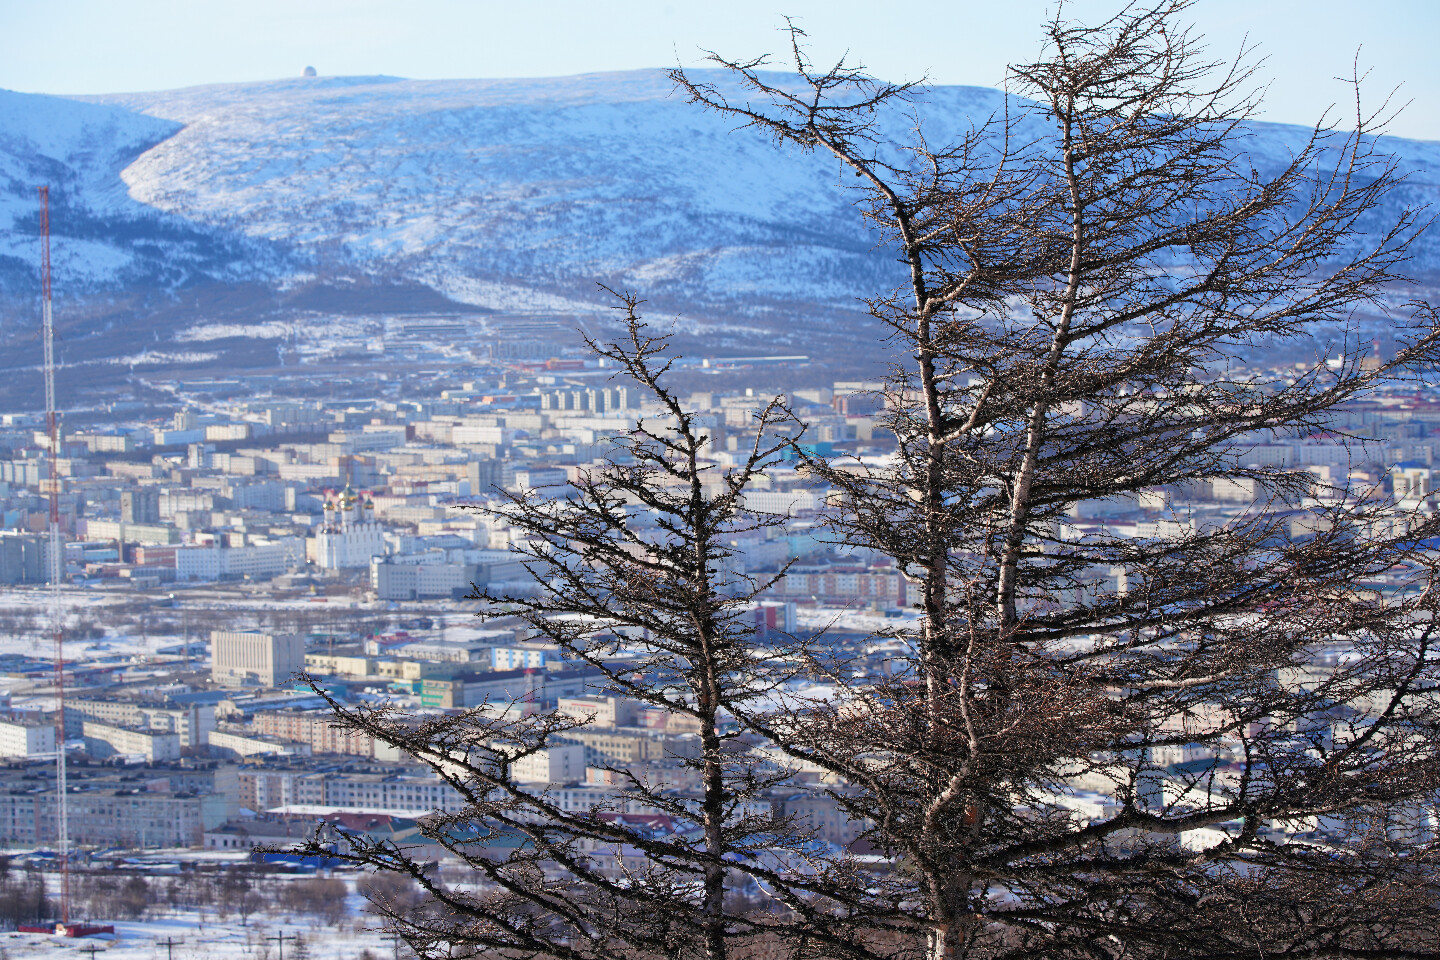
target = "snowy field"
x: 202, y: 934
x: 211, y: 941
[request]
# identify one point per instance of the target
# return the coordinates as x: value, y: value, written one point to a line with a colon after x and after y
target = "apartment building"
x: 105, y: 740
x: 232, y: 743
x: 561, y: 763
x: 607, y: 712
x: 111, y: 817
x: 241, y: 658
x: 258, y: 560
x: 497, y: 688
x: 317, y: 729
x: 264, y: 788
x: 26, y: 737
x: 632, y: 746
x: 413, y: 794
x: 190, y: 721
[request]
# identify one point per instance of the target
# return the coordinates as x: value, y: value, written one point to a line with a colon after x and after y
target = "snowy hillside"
x: 511, y: 194
x: 105, y: 239
x: 485, y: 188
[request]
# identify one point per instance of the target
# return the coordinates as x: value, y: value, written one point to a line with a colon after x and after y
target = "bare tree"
x: 238, y: 891
x: 1084, y: 274
x: 635, y: 583
x: 321, y: 897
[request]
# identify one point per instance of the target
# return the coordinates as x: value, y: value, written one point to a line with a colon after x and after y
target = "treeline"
x: 23, y: 895
x: 238, y: 893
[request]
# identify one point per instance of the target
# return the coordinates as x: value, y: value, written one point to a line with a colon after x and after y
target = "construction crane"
x: 57, y: 563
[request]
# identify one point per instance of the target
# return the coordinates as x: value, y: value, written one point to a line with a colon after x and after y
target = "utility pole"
x: 280, y: 938
x: 57, y: 562
x: 170, y: 944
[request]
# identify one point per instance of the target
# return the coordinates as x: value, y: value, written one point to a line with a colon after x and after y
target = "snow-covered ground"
x: 203, y: 935
x: 194, y: 937
x: 135, y: 940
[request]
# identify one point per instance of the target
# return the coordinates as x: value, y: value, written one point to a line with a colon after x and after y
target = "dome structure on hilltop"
x: 308, y: 72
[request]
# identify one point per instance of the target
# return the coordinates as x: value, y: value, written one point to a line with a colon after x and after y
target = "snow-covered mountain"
x: 105, y: 239
x: 509, y: 194
x: 504, y: 194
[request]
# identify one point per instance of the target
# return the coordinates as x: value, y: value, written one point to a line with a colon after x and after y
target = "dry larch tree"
x: 1083, y: 277
x: 631, y: 566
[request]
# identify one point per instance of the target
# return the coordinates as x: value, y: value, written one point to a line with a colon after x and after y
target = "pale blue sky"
x: 102, y: 46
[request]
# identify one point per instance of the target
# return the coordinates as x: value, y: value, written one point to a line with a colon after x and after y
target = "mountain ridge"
x: 516, y: 195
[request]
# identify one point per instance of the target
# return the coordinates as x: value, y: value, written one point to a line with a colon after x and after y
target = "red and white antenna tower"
x: 57, y: 563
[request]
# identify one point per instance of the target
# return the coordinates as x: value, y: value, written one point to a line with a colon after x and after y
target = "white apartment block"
x: 414, y: 581
x: 103, y: 739
x: 191, y: 722
x: 561, y: 763
x: 783, y: 502
x: 231, y: 744
x: 605, y: 711
x: 400, y: 793
x: 351, y: 547
x: 146, y: 533
x: 109, y: 817
x: 258, y: 560
x: 248, y: 657
x: 20, y: 738
x: 521, y: 657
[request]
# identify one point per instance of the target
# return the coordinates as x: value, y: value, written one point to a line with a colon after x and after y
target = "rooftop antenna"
x: 57, y: 563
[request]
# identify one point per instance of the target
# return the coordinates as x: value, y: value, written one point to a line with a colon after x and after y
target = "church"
x: 349, y: 537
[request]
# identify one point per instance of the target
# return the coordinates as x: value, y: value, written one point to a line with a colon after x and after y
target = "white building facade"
x: 239, y: 658
x: 348, y: 538
x: 24, y: 738
x: 257, y: 561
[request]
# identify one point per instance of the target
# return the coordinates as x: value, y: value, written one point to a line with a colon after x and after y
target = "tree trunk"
x: 714, y: 901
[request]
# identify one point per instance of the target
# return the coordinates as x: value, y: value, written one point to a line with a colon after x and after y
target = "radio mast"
x: 57, y: 563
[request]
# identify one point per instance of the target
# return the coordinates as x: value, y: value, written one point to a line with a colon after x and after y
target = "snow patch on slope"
x: 272, y: 330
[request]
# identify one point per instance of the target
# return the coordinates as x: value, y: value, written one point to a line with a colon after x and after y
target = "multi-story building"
x: 106, y: 442
x: 415, y: 581
x: 820, y: 811
x: 359, y: 791
x: 843, y: 583
x: 522, y: 656
x: 558, y: 763
x: 472, y: 690
x: 247, y: 657
x: 23, y: 558
x: 216, y: 561
x: 26, y: 737
x: 105, y: 740
x: 601, y: 400
x: 607, y: 712
x: 324, y: 664
x: 317, y: 729
x: 130, y: 532
x: 632, y: 746
x: 189, y: 721
x: 111, y: 817
x: 141, y: 505
x: 264, y: 788
x: 235, y: 743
